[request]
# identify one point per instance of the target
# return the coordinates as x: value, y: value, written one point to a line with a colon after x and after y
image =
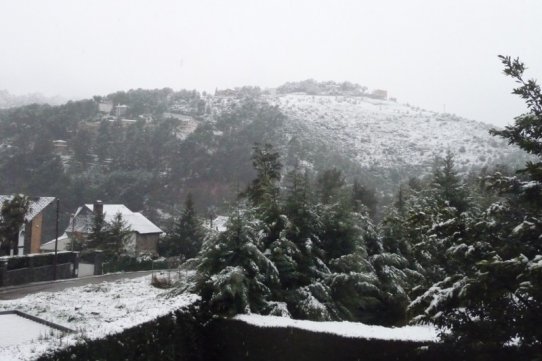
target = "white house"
x: 143, y: 237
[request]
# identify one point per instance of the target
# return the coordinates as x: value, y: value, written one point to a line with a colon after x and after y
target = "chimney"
x: 98, y: 208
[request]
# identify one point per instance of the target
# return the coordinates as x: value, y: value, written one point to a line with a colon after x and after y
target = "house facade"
x: 143, y: 238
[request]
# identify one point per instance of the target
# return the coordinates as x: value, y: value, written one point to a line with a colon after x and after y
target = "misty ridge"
x: 149, y: 149
x: 8, y: 100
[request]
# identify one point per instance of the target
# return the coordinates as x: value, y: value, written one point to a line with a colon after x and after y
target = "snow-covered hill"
x: 384, y: 134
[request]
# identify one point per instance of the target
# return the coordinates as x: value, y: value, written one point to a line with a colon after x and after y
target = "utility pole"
x: 56, y: 240
x: 73, y: 232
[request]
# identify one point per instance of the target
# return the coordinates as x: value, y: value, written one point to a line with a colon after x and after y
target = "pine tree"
x: 187, y: 234
x: 117, y: 237
x: 234, y: 274
x: 111, y: 238
x: 12, y: 217
x: 364, y: 197
x: 330, y: 183
x: 98, y: 231
x: 448, y: 184
x: 264, y: 189
x: 493, y: 303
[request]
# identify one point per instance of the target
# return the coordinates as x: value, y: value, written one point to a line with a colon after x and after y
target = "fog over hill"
x: 8, y: 100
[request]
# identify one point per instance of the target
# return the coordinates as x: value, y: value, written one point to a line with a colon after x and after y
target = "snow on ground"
x: 15, y: 329
x: 93, y: 311
x: 422, y: 333
x: 219, y: 223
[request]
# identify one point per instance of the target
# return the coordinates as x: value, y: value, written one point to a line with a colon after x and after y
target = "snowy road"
x: 14, y: 292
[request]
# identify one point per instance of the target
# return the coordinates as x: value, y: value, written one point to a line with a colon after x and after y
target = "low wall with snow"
x: 18, y: 270
x: 181, y: 336
x: 238, y: 340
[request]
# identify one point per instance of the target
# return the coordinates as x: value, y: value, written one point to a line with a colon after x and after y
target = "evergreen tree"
x: 98, y: 231
x: 297, y: 239
x: 112, y: 238
x: 264, y: 189
x: 12, y: 218
x: 234, y: 274
x: 493, y: 303
x: 364, y: 197
x: 448, y: 184
x: 117, y: 237
x: 187, y: 233
x: 330, y: 183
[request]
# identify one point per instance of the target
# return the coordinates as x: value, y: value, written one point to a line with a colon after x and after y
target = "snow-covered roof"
x: 134, y: 220
x: 36, y: 206
x: 141, y: 224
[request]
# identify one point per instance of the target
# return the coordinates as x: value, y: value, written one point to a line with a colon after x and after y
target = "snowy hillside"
x: 385, y: 134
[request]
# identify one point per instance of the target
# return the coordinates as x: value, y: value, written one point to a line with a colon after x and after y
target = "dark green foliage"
x: 288, y: 254
x: 233, y: 272
x: 330, y: 183
x: 263, y: 191
x: 98, y: 231
x: 12, y: 218
x: 364, y: 197
x: 448, y: 184
x: 491, y: 299
x: 527, y: 130
x: 111, y: 238
x: 117, y: 237
x: 186, y: 237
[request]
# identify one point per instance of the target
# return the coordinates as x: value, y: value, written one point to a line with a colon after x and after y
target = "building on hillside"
x: 380, y: 94
x: 105, y: 106
x: 30, y: 233
x: 60, y: 146
x: 120, y: 110
x: 143, y: 233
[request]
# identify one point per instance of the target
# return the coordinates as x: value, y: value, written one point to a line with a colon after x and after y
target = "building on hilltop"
x: 120, y: 110
x: 380, y: 94
x: 143, y: 237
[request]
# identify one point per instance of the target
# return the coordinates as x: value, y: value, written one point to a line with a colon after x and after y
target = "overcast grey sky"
x: 430, y: 53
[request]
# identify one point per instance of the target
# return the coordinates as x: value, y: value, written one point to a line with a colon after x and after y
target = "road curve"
x: 14, y: 292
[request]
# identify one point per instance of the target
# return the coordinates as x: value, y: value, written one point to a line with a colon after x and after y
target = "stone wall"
x: 36, y: 268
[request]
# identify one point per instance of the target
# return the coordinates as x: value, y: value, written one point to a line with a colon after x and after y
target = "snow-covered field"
x: 424, y: 333
x: 94, y: 311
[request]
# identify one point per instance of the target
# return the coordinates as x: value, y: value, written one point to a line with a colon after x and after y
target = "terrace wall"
x: 18, y: 270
